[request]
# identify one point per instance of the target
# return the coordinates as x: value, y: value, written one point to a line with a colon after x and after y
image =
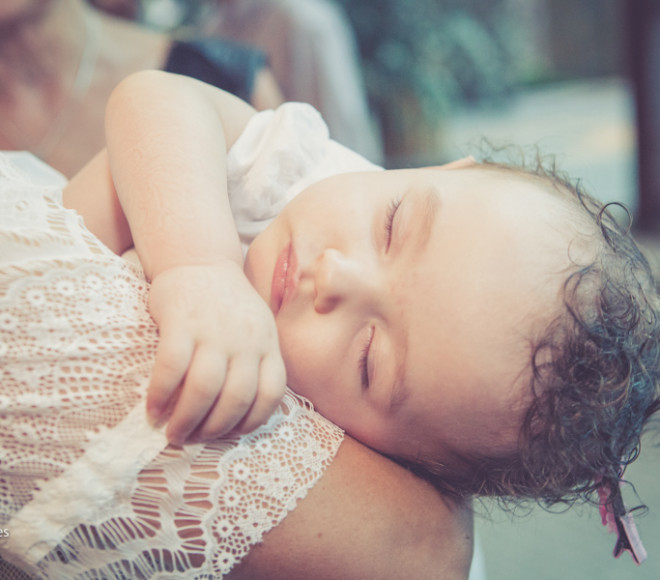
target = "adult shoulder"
x: 366, y: 518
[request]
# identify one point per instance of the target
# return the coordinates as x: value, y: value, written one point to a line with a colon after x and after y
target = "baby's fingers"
x: 170, y: 366
x: 201, y: 388
x: 272, y: 385
x: 235, y: 400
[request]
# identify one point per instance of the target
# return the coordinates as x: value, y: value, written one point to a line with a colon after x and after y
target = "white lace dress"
x: 88, y: 489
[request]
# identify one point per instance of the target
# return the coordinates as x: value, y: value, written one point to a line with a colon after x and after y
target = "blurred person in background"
x: 60, y: 59
x: 312, y: 51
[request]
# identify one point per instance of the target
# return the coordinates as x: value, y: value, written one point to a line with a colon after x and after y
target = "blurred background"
x: 412, y: 82
x: 417, y: 82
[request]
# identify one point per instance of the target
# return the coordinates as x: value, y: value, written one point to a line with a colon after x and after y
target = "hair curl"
x: 595, y: 375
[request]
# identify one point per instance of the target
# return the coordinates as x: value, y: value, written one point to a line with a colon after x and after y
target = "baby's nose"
x: 337, y: 279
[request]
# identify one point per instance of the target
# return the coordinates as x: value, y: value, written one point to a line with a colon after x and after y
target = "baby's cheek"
x: 299, y: 367
x: 311, y: 377
x: 314, y: 362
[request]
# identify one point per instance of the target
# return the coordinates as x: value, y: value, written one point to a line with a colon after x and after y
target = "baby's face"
x: 405, y: 302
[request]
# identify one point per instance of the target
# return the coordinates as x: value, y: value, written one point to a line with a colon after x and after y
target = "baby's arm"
x: 167, y: 138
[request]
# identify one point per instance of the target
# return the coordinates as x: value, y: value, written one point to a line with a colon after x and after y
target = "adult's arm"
x: 366, y: 518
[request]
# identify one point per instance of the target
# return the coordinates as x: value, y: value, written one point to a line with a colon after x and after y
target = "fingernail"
x: 171, y: 437
x: 155, y: 418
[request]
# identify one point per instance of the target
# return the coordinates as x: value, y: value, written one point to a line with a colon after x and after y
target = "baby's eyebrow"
x: 430, y: 203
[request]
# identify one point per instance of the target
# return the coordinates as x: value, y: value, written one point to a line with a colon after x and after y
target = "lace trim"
x: 229, y: 494
x: 87, y: 488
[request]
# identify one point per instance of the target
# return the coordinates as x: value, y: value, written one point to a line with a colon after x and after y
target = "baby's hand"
x: 218, y: 343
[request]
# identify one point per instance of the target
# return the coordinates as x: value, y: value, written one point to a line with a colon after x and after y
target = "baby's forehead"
x: 553, y: 201
x: 505, y: 194
x: 562, y: 195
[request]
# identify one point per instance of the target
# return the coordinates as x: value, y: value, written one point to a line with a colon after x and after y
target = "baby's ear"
x: 468, y: 161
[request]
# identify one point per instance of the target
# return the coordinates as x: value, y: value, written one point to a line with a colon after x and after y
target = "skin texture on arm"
x: 165, y: 155
x: 91, y: 192
x: 167, y: 139
x: 366, y: 518
x: 162, y: 187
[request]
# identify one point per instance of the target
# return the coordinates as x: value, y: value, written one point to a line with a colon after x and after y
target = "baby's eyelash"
x: 389, y: 220
x: 364, y: 361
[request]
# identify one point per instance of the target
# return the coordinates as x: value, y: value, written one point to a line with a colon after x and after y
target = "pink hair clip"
x: 623, y: 525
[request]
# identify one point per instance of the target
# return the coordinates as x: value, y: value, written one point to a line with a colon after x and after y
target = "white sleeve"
x: 279, y: 154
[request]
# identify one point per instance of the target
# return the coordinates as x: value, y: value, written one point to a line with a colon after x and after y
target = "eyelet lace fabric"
x: 88, y: 489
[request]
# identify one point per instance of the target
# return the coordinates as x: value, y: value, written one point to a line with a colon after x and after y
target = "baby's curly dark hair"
x: 595, y: 373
